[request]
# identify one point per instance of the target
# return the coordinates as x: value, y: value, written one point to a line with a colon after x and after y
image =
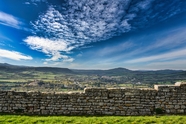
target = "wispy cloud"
x: 38, y: 0
x: 35, y: 2
x: 169, y: 39
x: 76, y: 24
x: 158, y: 12
x: 51, y: 48
x: 2, y: 44
x: 161, y: 57
x: 138, y: 51
x: 176, y: 64
x: 27, y: 3
x: 13, y: 55
x: 164, y: 40
x: 4, y: 38
x: 88, y: 21
x: 79, y: 23
x: 113, y: 50
x: 9, y: 20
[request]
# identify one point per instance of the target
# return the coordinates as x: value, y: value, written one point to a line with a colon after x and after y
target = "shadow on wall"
x: 167, y: 99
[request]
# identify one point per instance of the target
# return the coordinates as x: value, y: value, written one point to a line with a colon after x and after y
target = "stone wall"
x: 98, y: 101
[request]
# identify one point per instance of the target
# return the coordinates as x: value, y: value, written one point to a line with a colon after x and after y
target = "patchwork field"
x: 51, y: 79
x: 17, y: 119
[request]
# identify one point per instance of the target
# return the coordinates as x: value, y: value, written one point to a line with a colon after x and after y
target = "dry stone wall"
x: 98, y: 101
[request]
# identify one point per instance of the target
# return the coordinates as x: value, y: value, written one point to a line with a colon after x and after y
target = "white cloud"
x: 167, y: 40
x: 27, y: 3
x: 161, y: 57
x: 49, y: 47
x: 145, y: 4
x: 170, y: 39
x: 9, y: 20
x: 114, y: 49
x: 77, y: 24
x: 176, y: 64
x: 68, y: 60
x: 172, y: 64
x: 13, y: 55
x: 45, y: 63
x: 80, y: 55
x: 83, y: 22
x: 35, y: 2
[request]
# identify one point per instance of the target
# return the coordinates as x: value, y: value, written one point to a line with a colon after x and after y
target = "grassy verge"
x: 18, y: 119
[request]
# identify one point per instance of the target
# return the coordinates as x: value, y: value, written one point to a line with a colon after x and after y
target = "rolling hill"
x: 124, y: 74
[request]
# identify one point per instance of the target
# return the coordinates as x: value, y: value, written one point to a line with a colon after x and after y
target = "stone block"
x: 177, y: 106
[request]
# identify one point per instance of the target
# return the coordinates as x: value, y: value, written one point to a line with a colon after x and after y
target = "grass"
x: 18, y: 119
x: 21, y: 77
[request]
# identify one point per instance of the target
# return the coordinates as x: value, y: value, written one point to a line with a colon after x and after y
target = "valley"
x: 50, y: 79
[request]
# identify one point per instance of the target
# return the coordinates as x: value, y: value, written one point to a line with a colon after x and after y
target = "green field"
x: 18, y: 119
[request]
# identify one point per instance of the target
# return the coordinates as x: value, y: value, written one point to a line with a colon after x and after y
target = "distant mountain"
x: 126, y: 74
x: 120, y: 69
x: 115, y: 71
x: 14, y: 68
x: 53, y: 69
x: 5, y: 65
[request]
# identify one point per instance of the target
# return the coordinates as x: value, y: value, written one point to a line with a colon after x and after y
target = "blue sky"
x: 94, y: 34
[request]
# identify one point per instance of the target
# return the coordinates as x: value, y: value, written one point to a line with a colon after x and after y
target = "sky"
x: 94, y: 34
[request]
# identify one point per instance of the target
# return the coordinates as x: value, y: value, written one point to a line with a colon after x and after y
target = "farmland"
x: 49, y: 79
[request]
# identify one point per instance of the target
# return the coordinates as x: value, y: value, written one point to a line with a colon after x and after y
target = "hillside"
x: 17, y: 69
x: 117, y: 75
